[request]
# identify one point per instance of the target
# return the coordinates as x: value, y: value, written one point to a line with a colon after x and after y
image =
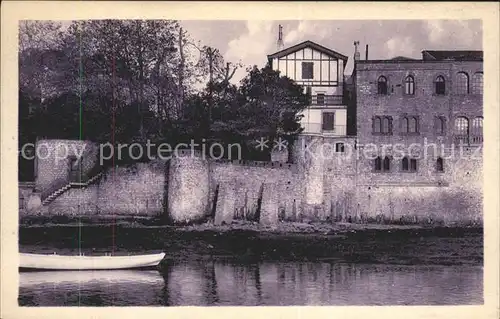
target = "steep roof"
x: 432, y: 55
x: 307, y: 44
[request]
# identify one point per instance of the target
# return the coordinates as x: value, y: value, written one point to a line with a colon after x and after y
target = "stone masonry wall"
x: 135, y: 190
x: 51, y: 163
x: 247, y: 180
x: 194, y: 188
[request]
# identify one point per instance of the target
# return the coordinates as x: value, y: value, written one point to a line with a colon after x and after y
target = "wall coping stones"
x: 407, y: 184
x: 267, y: 164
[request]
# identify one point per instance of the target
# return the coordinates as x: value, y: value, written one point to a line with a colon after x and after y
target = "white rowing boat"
x: 62, y: 262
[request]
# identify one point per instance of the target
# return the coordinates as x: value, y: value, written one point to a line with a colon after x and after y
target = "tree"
x: 265, y: 105
x: 272, y: 105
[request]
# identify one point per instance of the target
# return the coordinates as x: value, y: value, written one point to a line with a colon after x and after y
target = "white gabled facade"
x: 321, y: 72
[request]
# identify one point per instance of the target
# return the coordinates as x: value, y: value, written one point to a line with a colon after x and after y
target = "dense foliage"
x: 121, y: 81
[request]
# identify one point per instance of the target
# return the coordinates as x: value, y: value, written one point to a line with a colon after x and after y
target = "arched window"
x: 413, y: 164
x: 404, y: 164
x: 387, y: 125
x: 378, y: 164
x: 439, y: 164
x: 410, y: 124
x: 382, y: 124
x: 462, y: 130
x: 462, y: 125
x: 440, y: 125
x: 440, y: 85
x: 387, y: 163
x: 382, y: 85
x: 477, y: 83
x: 477, y: 130
x: 377, y: 125
x: 404, y: 125
x: 477, y: 125
x: 462, y: 83
x: 409, y: 85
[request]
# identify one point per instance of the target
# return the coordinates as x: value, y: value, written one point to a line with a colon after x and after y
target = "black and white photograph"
x: 271, y: 162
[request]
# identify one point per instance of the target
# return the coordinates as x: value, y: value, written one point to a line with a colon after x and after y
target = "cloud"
x: 401, y: 46
x: 462, y: 33
x: 386, y: 38
x: 251, y: 47
x: 304, y: 30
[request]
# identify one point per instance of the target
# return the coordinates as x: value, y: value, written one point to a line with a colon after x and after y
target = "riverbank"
x: 245, y: 241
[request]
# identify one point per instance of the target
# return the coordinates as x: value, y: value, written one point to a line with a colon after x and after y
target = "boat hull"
x: 61, y: 262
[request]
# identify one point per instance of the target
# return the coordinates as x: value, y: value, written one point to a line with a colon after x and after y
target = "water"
x: 223, y: 283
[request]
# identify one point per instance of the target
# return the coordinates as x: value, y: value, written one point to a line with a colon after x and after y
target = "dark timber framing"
x: 308, y: 44
x: 325, y: 55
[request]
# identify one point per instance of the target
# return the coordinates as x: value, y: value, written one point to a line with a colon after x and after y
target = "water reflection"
x: 225, y: 283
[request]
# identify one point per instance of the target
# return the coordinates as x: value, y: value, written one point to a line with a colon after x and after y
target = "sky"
x: 249, y: 42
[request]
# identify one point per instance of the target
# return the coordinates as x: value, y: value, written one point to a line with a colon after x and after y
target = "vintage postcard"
x: 163, y: 155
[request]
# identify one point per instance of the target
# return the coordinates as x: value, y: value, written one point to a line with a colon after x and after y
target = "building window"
x: 439, y: 164
x: 409, y: 124
x: 477, y: 83
x: 477, y: 125
x: 378, y: 164
x: 377, y: 125
x: 382, y: 165
x: 339, y: 147
x: 382, y: 85
x: 387, y: 164
x: 413, y: 165
x: 440, y: 85
x: 408, y: 165
x: 461, y: 130
x: 320, y: 99
x: 440, y: 125
x: 328, y: 121
x: 409, y: 85
x: 382, y: 125
x: 462, y: 125
x: 387, y: 125
x: 477, y: 130
x: 307, y: 70
x: 462, y: 86
x: 404, y: 164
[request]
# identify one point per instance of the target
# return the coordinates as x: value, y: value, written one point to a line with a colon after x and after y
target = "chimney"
x: 366, y: 53
x: 356, y: 52
x: 279, y: 43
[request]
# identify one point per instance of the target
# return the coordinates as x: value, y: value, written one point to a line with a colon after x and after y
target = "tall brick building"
x: 437, y: 99
x: 419, y: 128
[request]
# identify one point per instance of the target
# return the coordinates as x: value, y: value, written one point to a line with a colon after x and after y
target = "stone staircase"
x: 58, y: 192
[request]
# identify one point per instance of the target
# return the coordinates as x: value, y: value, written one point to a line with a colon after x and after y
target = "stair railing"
x: 54, y: 186
x: 74, y: 177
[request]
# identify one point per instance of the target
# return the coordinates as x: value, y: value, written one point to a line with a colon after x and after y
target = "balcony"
x: 468, y: 139
x: 326, y: 100
x: 317, y: 128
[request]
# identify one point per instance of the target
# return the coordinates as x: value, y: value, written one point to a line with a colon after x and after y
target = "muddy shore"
x: 244, y: 241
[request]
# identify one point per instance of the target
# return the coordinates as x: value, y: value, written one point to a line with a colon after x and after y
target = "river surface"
x: 267, y: 283
x: 242, y: 269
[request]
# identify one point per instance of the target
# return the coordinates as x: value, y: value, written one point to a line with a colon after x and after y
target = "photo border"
x: 13, y: 11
